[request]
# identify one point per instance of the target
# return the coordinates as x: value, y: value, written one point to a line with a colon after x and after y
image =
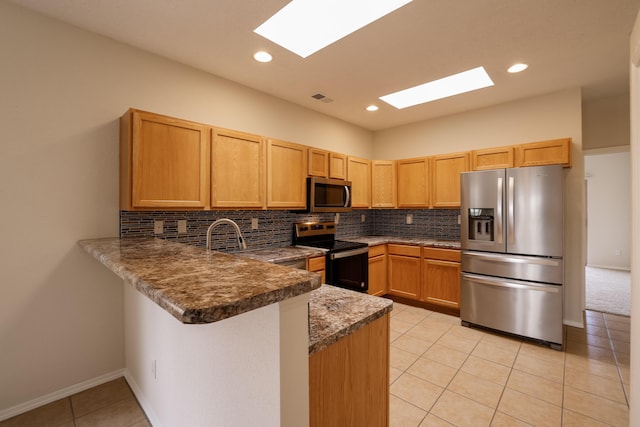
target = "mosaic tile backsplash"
x: 275, y: 228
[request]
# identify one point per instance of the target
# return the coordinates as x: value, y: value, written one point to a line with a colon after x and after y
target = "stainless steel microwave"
x: 328, y: 195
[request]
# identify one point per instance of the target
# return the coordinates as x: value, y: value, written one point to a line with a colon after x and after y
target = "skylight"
x: 306, y: 26
x: 466, y: 81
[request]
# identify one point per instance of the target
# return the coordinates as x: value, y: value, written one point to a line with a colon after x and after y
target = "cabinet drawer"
x: 442, y: 254
x: 377, y: 250
x: 315, y: 263
x: 405, y: 250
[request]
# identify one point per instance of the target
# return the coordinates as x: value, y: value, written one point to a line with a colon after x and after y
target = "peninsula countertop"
x: 195, y: 285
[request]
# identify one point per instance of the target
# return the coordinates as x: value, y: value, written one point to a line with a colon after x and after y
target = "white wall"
x: 63, y: 90
x: 608, y: 178
x: 634, y: 69
x: 556, y: 115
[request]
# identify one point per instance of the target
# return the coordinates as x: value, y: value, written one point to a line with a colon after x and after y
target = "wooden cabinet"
x: 286, y: 175
x: 413, y: 183
x: 553, y: 152
x: 349, y: 380
x: 492, y: 158
x: 164, y: 162
x: 318, y: 162
x: 237, y: 170
x: 359, y: 173
x: 378, y: 270
x: 317, y: 265
x: 441, y: 277
x: 404, y: 270
x: 446, y: 179
x: 383, y: 184
x: 337, y: 166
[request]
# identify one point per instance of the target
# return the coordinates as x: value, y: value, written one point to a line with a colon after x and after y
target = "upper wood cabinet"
x: 413, y: 183
x: 359, y: 173
x: 492, y: 158
x: 337, y: 166
x: 318, y: 162
x: 553, y: 152
x: 286, y: 175
x: 383, y: 184
x: 237, y: 170
x: 446, y: 179
x: 164, y: 162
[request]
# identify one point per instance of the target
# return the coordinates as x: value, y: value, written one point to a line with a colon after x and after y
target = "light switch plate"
x: 182, y: 226
x: 254, y: 223
x: 363, y: 218
x: 409, y: 218
x: 158, y: 227
x: 337, y: 218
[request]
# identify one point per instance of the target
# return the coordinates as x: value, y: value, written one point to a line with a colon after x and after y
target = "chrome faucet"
x: 239, y: 236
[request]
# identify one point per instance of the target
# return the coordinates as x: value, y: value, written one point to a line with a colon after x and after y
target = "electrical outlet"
x: 409, y: 218
x: 254, y: 223
x: 182, y: 226
x: 337, y: 218
x: 363, y: 218
x: 153, y: 369
x: 618, y: 252
x: 459, y: 220
x: 158, y: 227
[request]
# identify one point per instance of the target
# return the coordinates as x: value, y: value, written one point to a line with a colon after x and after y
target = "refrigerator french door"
x: 512, y: 251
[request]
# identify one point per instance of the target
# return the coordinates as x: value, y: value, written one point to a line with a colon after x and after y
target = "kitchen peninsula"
x: 215, y: 337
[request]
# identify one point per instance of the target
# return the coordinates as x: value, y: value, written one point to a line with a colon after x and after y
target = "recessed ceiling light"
x: 262, y: 56
x: 466, y: 81
x: 372, y: 108
x: 304, y: 27
x: 516, y: 68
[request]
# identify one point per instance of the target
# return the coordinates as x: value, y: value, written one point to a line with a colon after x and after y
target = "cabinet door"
x: 446, y: 179
x: 286, y: 175
x: 164, y: 162
x: 318, y: 162
x: 441, y: 283
x: 317, y: 265
x: 359, y: 173
x: 237, y: 170
x: 383, y: 184
x: 553, y: 152
x: 404, y: 276
x: 377, y: 270
x: 337, y: 166
x: 413, y: 183
x: 492, y: 158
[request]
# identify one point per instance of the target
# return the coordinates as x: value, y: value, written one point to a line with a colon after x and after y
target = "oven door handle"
x: 352, y: 252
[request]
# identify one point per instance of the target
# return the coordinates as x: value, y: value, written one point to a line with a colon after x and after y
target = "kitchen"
x: 74, y: 148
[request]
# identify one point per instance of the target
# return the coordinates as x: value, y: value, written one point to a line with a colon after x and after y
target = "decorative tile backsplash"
x: 275, y: 228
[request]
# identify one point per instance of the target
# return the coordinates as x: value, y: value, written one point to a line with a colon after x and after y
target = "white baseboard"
x: 574, y: 324
x: 608, y: 267
x: 144, y: 403
x: 59, y: 394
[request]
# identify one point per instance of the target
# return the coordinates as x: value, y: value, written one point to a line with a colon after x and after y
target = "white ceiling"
x: 567, y: 43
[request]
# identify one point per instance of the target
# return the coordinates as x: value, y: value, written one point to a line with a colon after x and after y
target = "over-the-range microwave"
x: 328, y: 195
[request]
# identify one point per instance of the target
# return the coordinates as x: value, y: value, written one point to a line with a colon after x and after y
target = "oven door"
x: 349, y: 269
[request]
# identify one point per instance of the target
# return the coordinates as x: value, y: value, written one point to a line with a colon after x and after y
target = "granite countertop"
x: 335, y: 313
x: 381, y: 240
x: 280, y: 255
x: 195, y: 285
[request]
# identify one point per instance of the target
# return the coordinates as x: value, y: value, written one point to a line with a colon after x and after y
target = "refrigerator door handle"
x: 510, y: 210
x: 498, y: 225
x: 502, y: 283
x: 502, y: 258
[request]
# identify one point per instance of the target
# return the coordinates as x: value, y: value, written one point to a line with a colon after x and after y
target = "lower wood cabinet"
x: 404, y: 271
x: 441, y: 277
x: 317, y: 265
x: 349, y: 380
x: 378, y: 270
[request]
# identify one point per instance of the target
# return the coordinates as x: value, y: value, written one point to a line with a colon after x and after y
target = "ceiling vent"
x: 321, y: 97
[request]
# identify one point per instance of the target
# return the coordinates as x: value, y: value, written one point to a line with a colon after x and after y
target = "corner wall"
x: 551, y: 116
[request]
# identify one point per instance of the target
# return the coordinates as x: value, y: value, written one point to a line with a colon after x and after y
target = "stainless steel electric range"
x: 347, y: 263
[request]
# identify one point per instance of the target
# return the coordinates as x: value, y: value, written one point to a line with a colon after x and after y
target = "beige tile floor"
x: 110, y: 405
x: 443, y: 374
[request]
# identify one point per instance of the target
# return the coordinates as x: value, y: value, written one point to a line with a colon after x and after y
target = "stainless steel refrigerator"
x: 512, y: 251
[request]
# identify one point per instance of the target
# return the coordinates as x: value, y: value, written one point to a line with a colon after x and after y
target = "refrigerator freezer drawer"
x: 527, y: 268
x: 528, y: 309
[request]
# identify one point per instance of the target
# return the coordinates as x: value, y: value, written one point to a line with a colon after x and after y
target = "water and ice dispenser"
x: 481, y: 224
